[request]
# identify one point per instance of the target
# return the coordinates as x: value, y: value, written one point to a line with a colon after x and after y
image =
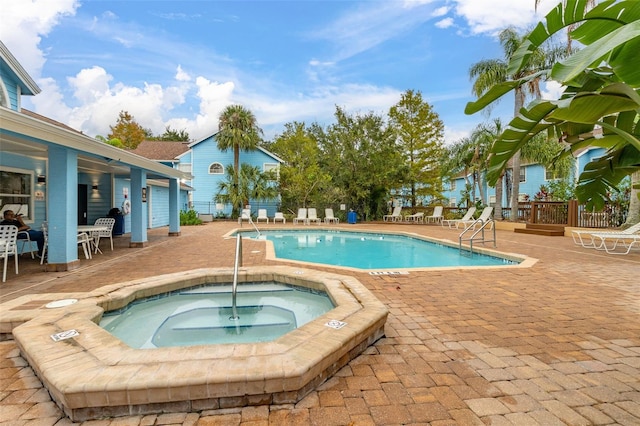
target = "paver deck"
x: 557, y: 343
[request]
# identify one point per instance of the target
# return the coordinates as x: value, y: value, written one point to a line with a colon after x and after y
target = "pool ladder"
x: 473, y: 236
x: 234, y: 289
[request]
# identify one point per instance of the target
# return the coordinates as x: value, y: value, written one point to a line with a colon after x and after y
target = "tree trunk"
x: 497, y: 209
x: 515, y: 181
x: 633, y: 215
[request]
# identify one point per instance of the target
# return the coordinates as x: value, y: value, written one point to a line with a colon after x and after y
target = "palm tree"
x: 237, y: 130
x: 490, y: 72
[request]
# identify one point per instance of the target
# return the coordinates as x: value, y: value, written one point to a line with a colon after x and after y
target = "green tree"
x: 601, y: 92
x: 237, y: 130
x: 487, y: 73
x: 127, y: 130
x: 420, y: 136
x: 302, y: 178
x: 113, y: 142
x: 360, y: 154
x: 172, y: 135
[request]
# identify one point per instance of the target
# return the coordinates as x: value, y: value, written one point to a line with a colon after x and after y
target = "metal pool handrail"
x: 481, y: 231
x: 234, y: 288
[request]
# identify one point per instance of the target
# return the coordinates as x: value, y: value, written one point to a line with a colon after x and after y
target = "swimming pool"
x: 365, y: 250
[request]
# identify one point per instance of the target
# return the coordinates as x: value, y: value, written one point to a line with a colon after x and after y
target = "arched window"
x: 216, y: 169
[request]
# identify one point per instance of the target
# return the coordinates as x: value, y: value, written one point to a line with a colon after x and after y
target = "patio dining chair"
x: 8, y: 247
x: 107, y: 232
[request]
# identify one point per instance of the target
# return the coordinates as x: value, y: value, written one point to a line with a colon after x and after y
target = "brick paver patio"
x: 557, y: 343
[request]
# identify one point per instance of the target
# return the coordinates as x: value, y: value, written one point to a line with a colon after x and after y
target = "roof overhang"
x: 25, y: 135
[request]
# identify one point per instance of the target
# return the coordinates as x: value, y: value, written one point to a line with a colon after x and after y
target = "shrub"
x: 189, y: 217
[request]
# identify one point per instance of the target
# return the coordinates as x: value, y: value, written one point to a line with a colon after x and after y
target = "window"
x: 16, y: 191
x: 453, y: 202
x: 492, y: 200
x: 271, y: 167
x: 452, y: 185
x: 523, y: 174
x: 551, y: 174
x: 216, y: 169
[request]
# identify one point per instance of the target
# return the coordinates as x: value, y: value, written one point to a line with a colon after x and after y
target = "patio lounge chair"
x: 329, y: 217
x: 279, y: 216
x: 302, y: 217
x: 262, y: 215
x: 246, y: 215
x: 484, y: 216
x: 395, y: 216
x: 436, y: 216
x: 312, y: 216
x: 627, y: 241
x: 417, y: 217
x: 580, y: 236
x: 451, y: 223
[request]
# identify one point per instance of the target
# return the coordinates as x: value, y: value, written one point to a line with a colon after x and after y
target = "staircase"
x: 542, y: 229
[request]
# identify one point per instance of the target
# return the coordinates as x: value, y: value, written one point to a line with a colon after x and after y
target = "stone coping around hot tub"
x: 523, y: 260
x: 94, y: 374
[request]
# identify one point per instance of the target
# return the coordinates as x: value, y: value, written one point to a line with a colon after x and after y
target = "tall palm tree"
x: 489, y: 72
x: 237, y: 130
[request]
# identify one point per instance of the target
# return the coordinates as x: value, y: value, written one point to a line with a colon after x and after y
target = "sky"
x: 180, y: 63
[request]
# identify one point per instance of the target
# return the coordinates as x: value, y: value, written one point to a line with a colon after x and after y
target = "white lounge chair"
x: 395, y: 216
x: 436, y: 216
x: 329, y: 217
x: 627, y: 241
x: 262, y: 215
x: 416, y: 217
x: 302, y: 217
x: 451, y: 223
x: 580, y: 236
x: 484, y: 216
x: 279, y: 216
x: 312, y: 216
x: 245, y: 215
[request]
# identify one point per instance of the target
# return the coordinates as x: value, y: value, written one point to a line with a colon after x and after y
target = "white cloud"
x: 552, y: 90
x: 492, y: 16
x: 24, y: 22
x: 445, y: 23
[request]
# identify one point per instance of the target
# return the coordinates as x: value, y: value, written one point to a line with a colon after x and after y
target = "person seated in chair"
x: 38, y: 236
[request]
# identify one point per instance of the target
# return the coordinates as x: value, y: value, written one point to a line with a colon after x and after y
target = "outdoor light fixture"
x: 95, y: 187
x: 42, y: 179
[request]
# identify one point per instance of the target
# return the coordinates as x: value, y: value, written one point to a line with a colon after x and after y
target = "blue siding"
x: 159, y: 215
x: 206, y: 152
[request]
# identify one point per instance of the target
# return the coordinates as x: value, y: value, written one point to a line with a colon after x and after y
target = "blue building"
x: 52, y: 173
x: 532, y: 177
x: 207, y: 164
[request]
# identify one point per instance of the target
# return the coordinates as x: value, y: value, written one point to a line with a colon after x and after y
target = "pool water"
x: 203, y: 315
x: 365, y: 250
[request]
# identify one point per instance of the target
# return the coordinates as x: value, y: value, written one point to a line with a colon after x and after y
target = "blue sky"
x: 179, y: 63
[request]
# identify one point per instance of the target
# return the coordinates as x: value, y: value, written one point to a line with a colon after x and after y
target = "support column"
x: 174, y: 207
x: 138, y: 208
x: 62, y: 208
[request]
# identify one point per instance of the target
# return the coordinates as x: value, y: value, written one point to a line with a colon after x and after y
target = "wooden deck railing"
x: 568, y: 213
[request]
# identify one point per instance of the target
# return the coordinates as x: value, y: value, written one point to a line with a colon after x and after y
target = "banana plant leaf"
x: 601, y: 176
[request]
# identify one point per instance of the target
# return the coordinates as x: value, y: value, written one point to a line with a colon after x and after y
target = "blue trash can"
x: 351, y: 217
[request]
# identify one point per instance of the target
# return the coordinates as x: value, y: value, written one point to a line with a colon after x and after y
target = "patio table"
x: 89, y: 229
